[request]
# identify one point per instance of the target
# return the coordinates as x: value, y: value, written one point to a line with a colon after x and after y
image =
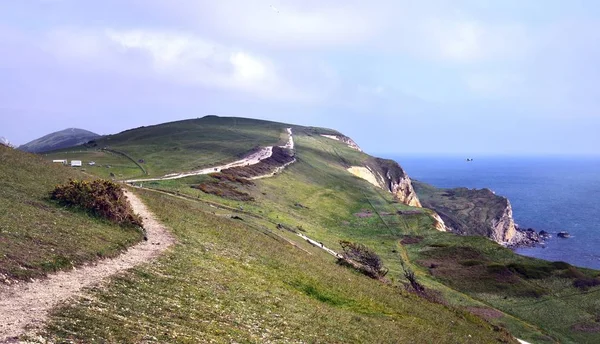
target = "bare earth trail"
x: 252, y: 159
x: 24, y: 307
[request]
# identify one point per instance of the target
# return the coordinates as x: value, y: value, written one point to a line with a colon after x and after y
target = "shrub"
x: 585, y: 283
x: 559, y: 265
x: 101, y: 198
x: 497, y: 268
x: 412, y: 279
x: 362, y: 258
x: 531, y: 271
x: 223, y: 190
x: 470, y: 262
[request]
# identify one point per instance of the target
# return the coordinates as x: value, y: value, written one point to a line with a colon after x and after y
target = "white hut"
x: 75, y: 163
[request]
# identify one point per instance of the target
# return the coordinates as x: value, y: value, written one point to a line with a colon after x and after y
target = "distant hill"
x: 59, y: 140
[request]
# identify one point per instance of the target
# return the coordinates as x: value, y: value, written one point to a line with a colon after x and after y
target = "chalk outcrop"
x: 388, y: 175
x: 440, y: 225
x: 503, y: 227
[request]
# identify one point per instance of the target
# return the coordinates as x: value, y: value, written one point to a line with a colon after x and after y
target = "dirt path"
x: 24, y: 307
x: 252, y: 159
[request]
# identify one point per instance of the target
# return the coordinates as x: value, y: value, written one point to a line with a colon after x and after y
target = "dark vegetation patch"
x: 469, y: 269
x: 231, y: 178
x: 471, y: 262
x: 409, y: 212
x: 486, y: 312
x: 364, y: 214
x: 319, y: 294
x: 586, y: 283
x: 226, y: 186
x: 300, y: 205
x: 411, y: 239
x: 280, y: 157
x: 223, y: 190
x: 589, y: 327
x: 101, y: 198
x: 363, y: 259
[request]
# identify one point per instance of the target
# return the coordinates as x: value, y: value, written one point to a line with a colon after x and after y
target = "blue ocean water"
x: 547, y: 193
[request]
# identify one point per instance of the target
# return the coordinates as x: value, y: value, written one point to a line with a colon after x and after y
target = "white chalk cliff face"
x: 395, y: 181
x: 503, y: 227
x: 403, y: 190
x: 439, y: 223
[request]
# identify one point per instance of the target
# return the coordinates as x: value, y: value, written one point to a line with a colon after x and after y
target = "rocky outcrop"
x: 439, y: 223
x: 388, y: 175
x: 395, y: 180
x: 503, y: 227
x: 473, y: 212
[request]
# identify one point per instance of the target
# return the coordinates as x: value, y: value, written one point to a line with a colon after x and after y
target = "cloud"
x: 293, y: 25
x: 175, y: 57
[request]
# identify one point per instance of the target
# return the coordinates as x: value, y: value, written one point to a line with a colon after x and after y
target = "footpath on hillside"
x: 252, y: 159
x: 24, y: 307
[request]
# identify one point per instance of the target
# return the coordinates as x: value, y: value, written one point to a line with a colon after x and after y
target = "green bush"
x: 530, y: 271
x: 100, y: 197
x: 471, y: 262
x: 585, y: 283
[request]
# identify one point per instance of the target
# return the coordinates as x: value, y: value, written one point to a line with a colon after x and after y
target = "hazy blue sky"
x: 455, y: 76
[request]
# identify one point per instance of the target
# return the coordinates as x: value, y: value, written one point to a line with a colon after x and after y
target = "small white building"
x: 92, y: 163
x: 60, y: 161
x: 75, y: 163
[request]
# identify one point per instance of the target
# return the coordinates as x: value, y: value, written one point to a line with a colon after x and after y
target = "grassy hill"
x: 241, y: 272
x: 59, y: 140
x: 36, y: 235
x: 179, y: 146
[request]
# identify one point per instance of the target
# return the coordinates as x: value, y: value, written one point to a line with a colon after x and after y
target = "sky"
x: 471, y: 77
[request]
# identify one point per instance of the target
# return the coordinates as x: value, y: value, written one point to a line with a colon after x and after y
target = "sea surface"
x: 547, y: 193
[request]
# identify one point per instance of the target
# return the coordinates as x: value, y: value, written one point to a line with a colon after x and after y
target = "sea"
x: 547, y: 193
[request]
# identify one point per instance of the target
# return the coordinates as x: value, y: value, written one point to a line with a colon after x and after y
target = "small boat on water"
x: 563, y: 235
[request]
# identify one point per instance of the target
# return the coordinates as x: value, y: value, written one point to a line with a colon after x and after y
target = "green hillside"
x: 242, y: 273
x: 36, y: 235
x: 178, y: 146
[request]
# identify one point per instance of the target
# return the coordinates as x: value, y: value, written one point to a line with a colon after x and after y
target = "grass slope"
x: 317, y: 195
x: 242, y: 272
x: 229, y: 282
x: 191, y: 144
x: 36, y: 235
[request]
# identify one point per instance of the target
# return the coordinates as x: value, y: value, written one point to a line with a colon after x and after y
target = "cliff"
x: 388, y: 175
x: 471, y: 212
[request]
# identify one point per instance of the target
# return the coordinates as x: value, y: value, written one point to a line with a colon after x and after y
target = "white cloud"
x: 178, y: 57
x: 283, y: 24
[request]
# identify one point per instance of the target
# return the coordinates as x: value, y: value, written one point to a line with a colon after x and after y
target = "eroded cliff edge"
x: 388, y: 175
